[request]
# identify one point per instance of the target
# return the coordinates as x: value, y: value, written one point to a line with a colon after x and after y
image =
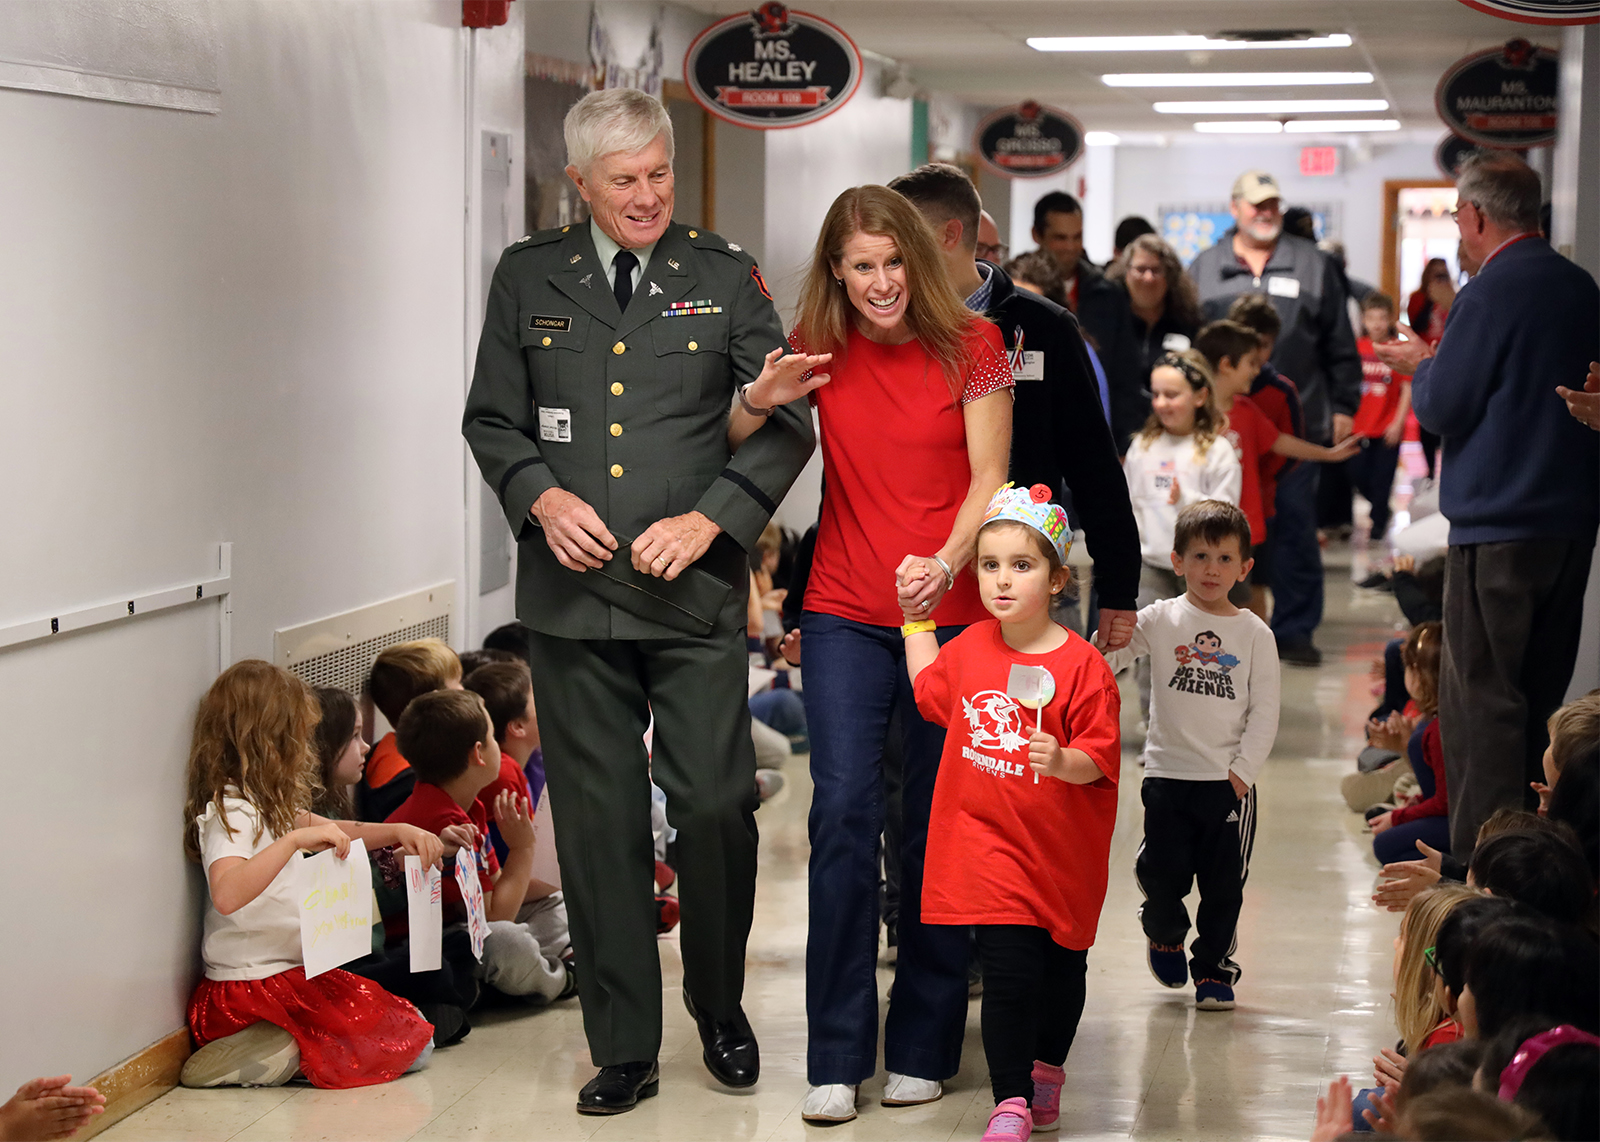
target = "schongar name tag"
x: 560, y: 324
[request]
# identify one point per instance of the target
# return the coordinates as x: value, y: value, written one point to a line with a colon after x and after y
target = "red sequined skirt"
x: 351, y: 1032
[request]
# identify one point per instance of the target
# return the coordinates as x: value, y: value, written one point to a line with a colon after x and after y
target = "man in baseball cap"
x: 1255, y: 187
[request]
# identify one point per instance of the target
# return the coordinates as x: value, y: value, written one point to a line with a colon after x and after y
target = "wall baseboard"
x: 136, y: 1082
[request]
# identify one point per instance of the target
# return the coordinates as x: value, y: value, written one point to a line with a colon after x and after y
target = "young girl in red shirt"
x: 1020, y: 832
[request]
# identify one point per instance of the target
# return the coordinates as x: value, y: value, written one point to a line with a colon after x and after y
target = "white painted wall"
x: 249, y: 326
x: 1203, y: 170
x: 868, y: 140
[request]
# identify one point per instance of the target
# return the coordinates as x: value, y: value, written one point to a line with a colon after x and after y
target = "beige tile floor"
x: 1313, y: 1001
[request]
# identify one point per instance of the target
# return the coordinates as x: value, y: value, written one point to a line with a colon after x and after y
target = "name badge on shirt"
x: 1283, y: 287
x: 1175, y: 343
x: 555, y: 424
x: 1030, y: 367
x: 542, y: 321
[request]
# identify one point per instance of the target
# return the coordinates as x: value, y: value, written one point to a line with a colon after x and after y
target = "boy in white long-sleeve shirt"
x: 1213, y: 719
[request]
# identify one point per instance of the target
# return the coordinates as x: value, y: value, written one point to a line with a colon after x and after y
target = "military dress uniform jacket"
x: 629, y: 412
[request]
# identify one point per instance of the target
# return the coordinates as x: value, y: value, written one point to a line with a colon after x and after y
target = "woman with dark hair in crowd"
x: 916, y: 433
x: 1163, y: 299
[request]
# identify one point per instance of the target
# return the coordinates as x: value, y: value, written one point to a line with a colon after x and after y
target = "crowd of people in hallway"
x: 640, y: 412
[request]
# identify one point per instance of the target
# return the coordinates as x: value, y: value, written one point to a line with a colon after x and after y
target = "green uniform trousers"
x: 595, y: 700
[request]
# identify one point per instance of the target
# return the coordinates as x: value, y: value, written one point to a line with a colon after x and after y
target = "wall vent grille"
x: 339, y: 651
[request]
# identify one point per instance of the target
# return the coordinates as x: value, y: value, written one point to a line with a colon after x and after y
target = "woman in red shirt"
x: 916, y: 432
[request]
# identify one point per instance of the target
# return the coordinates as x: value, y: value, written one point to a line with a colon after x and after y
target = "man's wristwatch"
x: 753, y: 410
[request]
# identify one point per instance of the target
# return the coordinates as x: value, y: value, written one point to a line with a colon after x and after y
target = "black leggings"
x: 1033, y: 992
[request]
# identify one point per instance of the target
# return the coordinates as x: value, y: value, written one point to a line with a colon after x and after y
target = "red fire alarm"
x: 484, y: 13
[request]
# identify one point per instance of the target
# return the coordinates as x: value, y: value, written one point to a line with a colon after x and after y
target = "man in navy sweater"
x: 1519, y: 483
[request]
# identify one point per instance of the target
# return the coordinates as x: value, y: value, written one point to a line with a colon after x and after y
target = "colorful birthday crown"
x: 1032, y: 508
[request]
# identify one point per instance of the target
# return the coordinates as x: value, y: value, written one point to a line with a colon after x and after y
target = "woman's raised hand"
x: 784, y: 378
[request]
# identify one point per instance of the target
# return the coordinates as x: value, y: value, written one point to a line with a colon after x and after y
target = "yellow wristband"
x: 921, y: 626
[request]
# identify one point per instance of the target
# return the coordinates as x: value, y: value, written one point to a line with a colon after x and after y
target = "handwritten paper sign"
x: 1033, y: 687
x: 335, y: 909
x: 472, y: 897
x: 425, y: 910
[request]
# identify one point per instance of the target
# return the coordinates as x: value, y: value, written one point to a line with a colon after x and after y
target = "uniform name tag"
x: 560, y: 324
x: 1175, y: 342
x: 555, y: 424
x: 1283, y: 287
x: 1030, y: 368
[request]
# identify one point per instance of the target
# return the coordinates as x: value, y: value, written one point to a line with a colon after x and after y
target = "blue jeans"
x: 1296, y: 557
x: 783, y: 710
x: 855, y: 676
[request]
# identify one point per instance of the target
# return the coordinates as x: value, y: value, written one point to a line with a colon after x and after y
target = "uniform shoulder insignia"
x: 707, y: 240
x: 538, y: 238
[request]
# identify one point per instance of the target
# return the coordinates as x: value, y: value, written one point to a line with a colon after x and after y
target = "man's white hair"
x: 621, y: 119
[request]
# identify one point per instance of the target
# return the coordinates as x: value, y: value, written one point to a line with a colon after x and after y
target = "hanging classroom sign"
x: 1451, y: 149
x: 1502, y: 98
x: 1028, y: 141
x: 772, y: 67
x: 1541, y: 11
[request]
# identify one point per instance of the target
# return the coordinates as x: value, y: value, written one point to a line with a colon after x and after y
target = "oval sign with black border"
x: 772, y: 67
x: 1504, y: 98
x: 1451, y: 149
x: 1541, y: 11
x: 1028, y: 141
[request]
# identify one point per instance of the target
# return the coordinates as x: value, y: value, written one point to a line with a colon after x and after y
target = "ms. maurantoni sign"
x: 772, y: 67
x: 1503, y: 98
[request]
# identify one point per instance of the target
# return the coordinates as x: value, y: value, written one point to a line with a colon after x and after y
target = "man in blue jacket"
x: 1519, y: 483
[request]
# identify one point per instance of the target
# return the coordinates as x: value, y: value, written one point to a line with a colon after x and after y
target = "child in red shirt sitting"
x: 449, y: 740
x: 1381, y: 417
x: 1022, y: 859
x: 399, y: 674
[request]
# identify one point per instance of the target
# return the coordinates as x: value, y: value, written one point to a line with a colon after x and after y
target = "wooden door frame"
x: 678, y: 90
x: 1391, y: 229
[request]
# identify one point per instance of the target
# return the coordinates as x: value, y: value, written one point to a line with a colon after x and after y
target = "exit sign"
x: 1319, y: 160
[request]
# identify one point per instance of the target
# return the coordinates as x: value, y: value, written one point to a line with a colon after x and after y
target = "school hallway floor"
x: 1313, y: 1003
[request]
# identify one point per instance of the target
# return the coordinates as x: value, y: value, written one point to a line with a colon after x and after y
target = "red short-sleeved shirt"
x: 1381, y: 387
x: 895, y: 466
x: 1003, y: 848
x: 430, y: 807
x: 1252, y: 436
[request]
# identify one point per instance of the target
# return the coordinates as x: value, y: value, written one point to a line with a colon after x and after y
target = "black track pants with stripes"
x: 1196, y: 832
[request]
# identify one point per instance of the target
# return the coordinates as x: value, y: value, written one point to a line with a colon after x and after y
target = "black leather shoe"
x: 619, y: 1088
x: 731, y: 1053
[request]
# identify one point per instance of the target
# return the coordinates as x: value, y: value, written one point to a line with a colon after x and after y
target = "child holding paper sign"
x: 255, y: 1016
x: 1023, y: 860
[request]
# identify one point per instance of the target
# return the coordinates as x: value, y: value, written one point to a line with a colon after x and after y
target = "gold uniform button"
x: 616, y: 469
x: 694, y: 233
x: 616, y: 388
x: 546, y: 341
x: 616, y: 430
x: 693, y: 345
x: 619, y: 348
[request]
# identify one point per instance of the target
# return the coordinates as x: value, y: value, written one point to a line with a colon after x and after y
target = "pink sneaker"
x: 1047, y: 1082
x: 1010, y: 1122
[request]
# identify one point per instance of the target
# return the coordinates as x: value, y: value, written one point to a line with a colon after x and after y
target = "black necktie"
x: 622, y: 286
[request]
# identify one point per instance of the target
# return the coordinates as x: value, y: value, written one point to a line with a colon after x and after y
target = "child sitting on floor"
x: 449, y: 739
x: 507, y: 692
x: 1022, y: 860
x: 255, y: 1016
x: 399, y: 674
x: 1213, y: 719
x: 1395, y: 832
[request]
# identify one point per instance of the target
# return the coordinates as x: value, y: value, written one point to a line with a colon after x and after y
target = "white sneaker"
x: 263, y: 1054
x: 903, y: 1090
x: 831, y: 1102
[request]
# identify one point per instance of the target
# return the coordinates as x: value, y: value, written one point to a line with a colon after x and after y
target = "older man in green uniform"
x: 616, y: 410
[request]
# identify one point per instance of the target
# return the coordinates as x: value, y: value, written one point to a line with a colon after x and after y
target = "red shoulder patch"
x: 761, y: 283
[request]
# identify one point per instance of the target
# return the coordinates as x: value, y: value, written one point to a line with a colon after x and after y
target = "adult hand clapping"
x: 1585, y: 404
x: 1404, y: 355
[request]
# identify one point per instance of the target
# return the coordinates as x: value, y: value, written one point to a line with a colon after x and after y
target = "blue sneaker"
x: 1169, y: 964
x: 1212, y: 995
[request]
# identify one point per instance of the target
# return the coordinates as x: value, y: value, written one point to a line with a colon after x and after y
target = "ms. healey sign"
x: 772, y: 67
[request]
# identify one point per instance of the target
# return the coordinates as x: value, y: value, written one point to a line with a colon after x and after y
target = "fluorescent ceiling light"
x: 1101, y: 139
x: 1316, y: 126
x: 1236, y: 78
x: 1175, y: 43
x: 1267, y: 106
x: 1241, y: 127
